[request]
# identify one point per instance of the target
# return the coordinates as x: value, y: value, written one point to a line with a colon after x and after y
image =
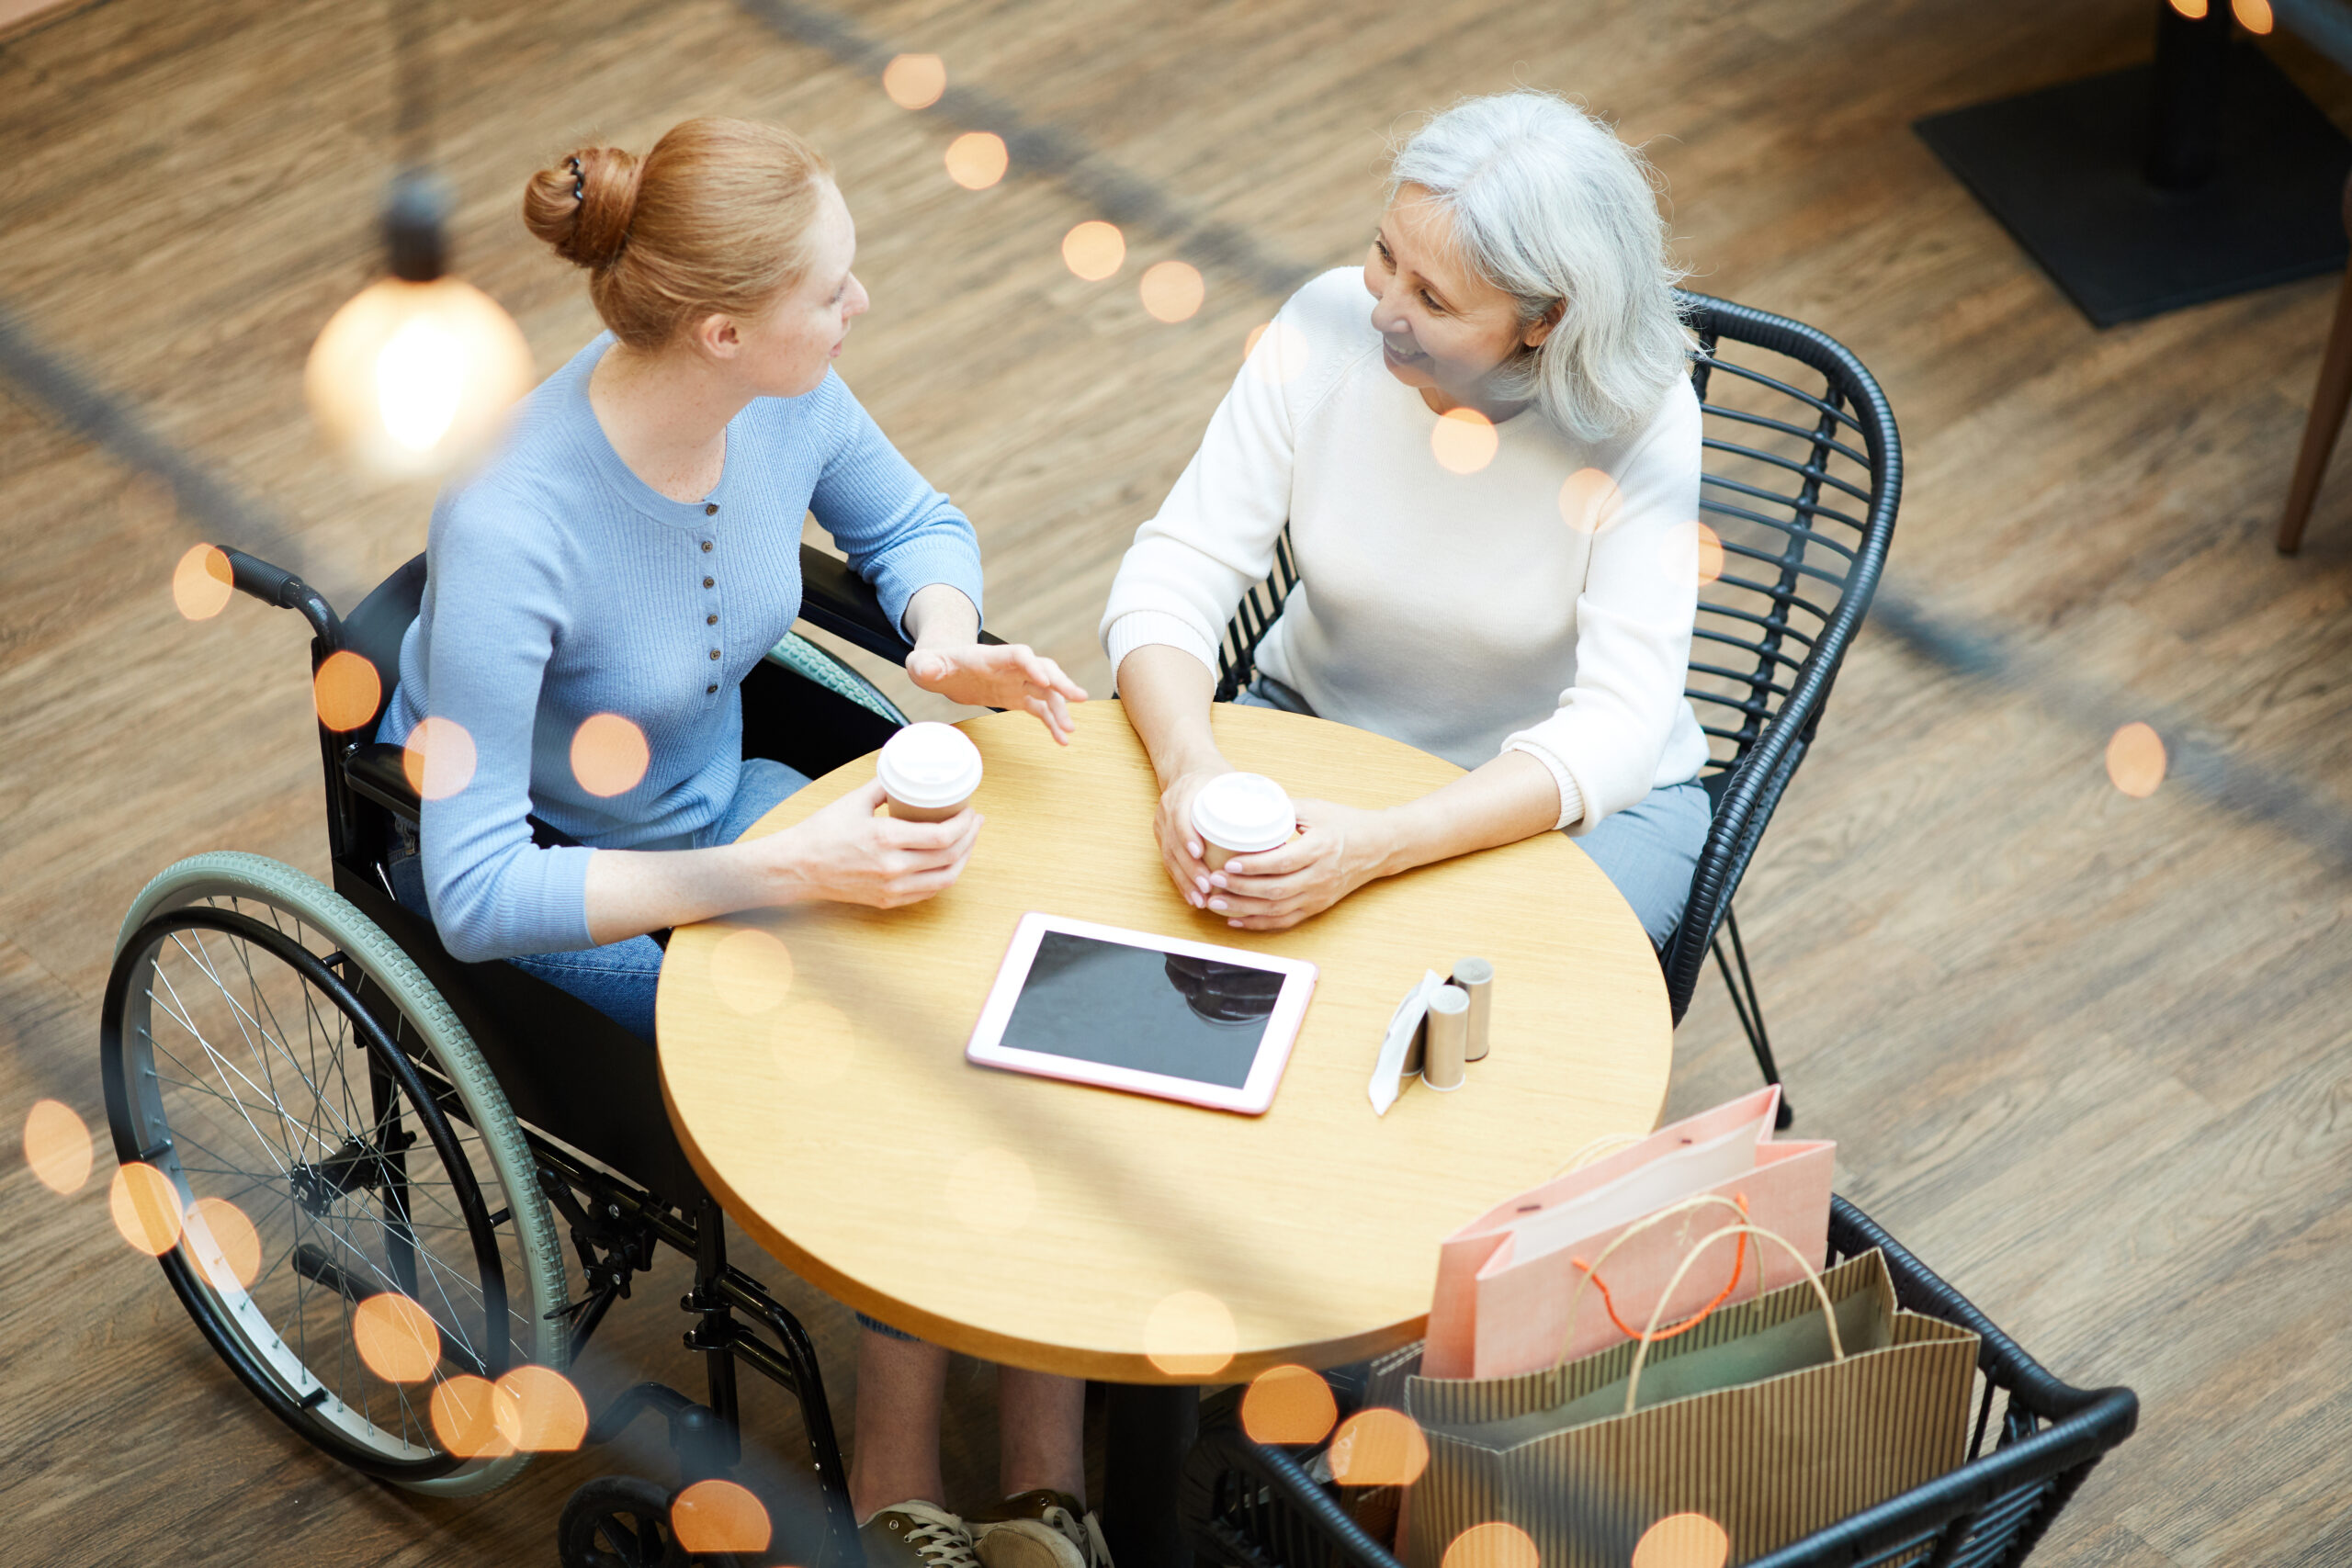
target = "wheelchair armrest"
x: 833, y: 598
x: 375, y: 771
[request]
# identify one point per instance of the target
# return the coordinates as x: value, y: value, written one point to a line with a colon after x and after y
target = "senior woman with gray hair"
x: 1492, y: 481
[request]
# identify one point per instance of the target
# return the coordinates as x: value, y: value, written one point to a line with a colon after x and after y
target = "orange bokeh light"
x: 2193, y: 9
x: 57, y: 1145
x: 465, y: 1417
x: 345, y: 691
x: 1711, y: 553
x: 396, y: 1337
x: 976, y: 160
x: 992, y: 1191
x: 1493, y: 1545
x: 609, y: 754
x: 2254, y: 15
x: 1171, y: 291
x: 146, y: 1208
x: 751, y: 970
x: 2135, y: 760
x: 1094, y: 249
x: 915, y: 81
x: 1379, y: 1448
x: 234, y: 1242
x: 539, y: 1412
x: 720, y: 1516
x: 1190, y: 1334
x: 438, y: 758
x: 1281, y: 359
x: 1682, y: 1541
x: 1288, y: 1404
x: 1463, y: 440
x: 202, y: 583
x: 1590, y: 501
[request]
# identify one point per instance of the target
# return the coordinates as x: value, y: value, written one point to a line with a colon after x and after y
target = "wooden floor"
x: 2087, y: 1055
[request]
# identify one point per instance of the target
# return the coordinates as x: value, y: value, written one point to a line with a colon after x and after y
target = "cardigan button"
x: 710, y: 583
x: 705, y: 546
x: 710, y: 620
x: 714, y: 653
x: 712, y: 687
x: 709, y: 509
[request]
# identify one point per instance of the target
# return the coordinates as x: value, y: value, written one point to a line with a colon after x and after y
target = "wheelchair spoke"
x: 275, y: 1040
x: 261, y: 1058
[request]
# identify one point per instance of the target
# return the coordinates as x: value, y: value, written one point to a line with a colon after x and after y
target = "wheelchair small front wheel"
x: 335, y: 1186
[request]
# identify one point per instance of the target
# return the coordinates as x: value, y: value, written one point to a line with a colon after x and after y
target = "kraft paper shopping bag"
x: 1772, y: 1418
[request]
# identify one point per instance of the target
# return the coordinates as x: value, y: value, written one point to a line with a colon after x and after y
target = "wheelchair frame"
x: 617, y: 1178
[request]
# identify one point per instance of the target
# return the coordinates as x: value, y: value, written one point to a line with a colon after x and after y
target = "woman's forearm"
x: 1498, y: 802
x: 1167, y: 693
x: 631, y: 892
x: 940, y: 616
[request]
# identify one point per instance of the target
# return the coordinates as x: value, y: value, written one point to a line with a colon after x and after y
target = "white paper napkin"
x: 1388, y: 1072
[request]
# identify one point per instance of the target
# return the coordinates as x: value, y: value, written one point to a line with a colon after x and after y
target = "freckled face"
x: 785, y: 348
x: 1442, y: 327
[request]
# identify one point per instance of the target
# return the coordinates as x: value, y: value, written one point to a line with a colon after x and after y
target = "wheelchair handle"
x: 275, y: 586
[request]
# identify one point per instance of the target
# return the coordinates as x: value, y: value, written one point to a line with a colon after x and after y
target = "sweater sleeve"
x: 900, y: 534
x: 1634, y: 621
x: 497, y: 612
x: 1215, y: 536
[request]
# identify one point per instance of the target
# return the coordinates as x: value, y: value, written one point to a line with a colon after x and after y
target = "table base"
x: 1150, y: 1428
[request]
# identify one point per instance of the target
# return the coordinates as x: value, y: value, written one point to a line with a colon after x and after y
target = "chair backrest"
x: 373, y: 630
x: 1798, y: 494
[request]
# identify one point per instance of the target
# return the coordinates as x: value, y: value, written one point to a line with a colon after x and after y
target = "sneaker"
x: 1040, y: 1529
x: 916, y: 1535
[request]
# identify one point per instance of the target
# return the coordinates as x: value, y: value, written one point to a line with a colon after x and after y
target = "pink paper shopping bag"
x: 1505, y: 1281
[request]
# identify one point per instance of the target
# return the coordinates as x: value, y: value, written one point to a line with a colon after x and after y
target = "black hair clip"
x: 579, y: 180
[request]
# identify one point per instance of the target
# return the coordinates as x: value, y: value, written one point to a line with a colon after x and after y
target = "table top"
x: 812, y: 1059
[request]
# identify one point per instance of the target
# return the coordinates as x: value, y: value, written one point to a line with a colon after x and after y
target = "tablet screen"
x: 1142, y: 1009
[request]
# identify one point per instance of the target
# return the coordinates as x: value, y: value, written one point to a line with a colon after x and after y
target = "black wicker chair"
x: 1250, y: 1506
x: 1800, y: 488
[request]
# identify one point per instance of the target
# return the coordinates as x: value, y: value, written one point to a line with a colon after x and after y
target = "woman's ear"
x: 716, y: 336
x: 1540, y: 327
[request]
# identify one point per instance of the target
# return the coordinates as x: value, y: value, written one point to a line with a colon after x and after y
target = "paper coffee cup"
x: 928, y: 771
x: 1241, y: 814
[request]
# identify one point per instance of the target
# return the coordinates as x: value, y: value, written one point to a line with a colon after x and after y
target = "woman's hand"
x: 845, y: 852
x: 999, y: 675
x: 1180, y: 841
x: 1341, y: 849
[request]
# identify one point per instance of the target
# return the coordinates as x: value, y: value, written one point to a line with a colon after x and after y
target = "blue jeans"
x: 1649, y: 851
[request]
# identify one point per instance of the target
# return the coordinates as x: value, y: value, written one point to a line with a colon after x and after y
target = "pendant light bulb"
x: 415, y: 376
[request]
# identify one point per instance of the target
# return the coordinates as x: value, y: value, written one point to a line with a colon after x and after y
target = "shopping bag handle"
x: 1811, y: 1277
x: 1606, y: 1144
x: 1591, y: 1272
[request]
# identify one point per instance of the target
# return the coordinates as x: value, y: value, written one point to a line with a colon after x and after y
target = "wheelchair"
x: 366, y: 1144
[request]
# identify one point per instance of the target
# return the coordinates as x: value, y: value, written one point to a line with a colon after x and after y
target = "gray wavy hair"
x: 1549, y: 207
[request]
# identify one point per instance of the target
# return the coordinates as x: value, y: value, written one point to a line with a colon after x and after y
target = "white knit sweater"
x: 1527, y: 605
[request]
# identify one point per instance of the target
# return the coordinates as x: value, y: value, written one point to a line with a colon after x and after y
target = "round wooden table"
x: 812, y: 1059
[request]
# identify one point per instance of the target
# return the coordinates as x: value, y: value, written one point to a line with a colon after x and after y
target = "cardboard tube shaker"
x: 929, y: 772
x: 1448, y: 1033
x: 1477, y: 976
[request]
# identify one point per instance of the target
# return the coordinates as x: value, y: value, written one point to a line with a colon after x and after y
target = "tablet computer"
x: 1149, y: 1014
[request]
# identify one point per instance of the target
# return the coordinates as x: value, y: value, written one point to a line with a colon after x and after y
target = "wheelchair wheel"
x: 329, y: 1136
x: 618, y: 1521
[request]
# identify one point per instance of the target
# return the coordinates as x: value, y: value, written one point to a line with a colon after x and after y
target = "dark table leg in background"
x: 2202, y: 174
x: 1151, y: 1429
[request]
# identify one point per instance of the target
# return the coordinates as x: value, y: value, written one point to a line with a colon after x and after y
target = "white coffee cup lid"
x: 1244, y: 813
x: 928, y: 765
